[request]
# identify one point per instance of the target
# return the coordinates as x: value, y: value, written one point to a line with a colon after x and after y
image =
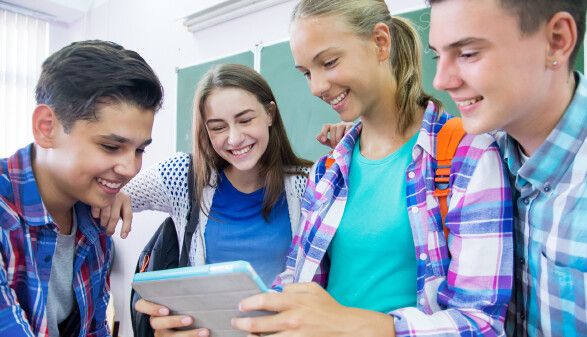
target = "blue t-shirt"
x: 236, y: 230
x: 373, y: 261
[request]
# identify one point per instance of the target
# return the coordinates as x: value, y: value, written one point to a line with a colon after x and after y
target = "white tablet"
x: 209, y: 293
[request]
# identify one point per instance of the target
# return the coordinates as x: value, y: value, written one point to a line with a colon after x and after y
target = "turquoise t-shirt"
x: 373, y: 261
x: 236, y: 230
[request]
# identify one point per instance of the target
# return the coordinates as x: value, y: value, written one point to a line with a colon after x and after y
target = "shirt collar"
x: 27, y: 198
x: 432, y: 122
x: 560, y: 147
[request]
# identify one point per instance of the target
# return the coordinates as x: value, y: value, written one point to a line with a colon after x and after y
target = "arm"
x: 294, y: 254
x: 146, y: 191
x: 100, y: 299
x: 306, y: 309
x: 473, y: 297
x: 12, y: 316
x: 336, y: 131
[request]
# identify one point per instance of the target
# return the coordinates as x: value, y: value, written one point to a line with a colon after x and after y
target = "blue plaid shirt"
x: 27, y: 242
x: 551, y: 228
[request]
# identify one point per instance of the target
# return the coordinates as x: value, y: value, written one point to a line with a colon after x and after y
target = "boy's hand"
x: 109, y: 216
x: 164, y: 325
x: 305, y: 309
x: 336, y: 131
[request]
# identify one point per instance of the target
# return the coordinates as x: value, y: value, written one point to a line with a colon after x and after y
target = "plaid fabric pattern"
x: 551, y: 229
x: 467, y: 295
x: 27, y: 242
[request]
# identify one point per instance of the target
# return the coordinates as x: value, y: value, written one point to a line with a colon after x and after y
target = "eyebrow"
x: 123, y: 140
x: 235, y: 116
x: 318, y: 55
x: 460, y: 43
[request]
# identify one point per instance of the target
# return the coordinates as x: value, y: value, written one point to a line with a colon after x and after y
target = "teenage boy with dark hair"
x: 96, y: 105
x: 508, y: 64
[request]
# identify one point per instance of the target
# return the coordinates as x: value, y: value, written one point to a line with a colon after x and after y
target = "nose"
x: 319, y: 85
x: 447, y: 75
x: 129, y: 165
x: 235, y: 137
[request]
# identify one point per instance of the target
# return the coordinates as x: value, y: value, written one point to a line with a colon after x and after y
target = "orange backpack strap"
x: 447, y: 142
x: 329, y: 161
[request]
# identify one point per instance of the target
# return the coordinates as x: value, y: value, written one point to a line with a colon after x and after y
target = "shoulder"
x: 175, y: 167
x: 14, y: 176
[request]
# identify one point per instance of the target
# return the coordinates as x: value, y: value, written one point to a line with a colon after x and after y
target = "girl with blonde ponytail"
x: 370, y: 257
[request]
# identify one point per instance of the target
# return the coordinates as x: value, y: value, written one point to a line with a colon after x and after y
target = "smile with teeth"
x: 241, y: 151
x: 108, y: 184
x: 469, y: 102
x: 338, y: 99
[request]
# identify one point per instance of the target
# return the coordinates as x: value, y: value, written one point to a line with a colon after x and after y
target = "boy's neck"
x: 533, y: 133
x: 60, y: 208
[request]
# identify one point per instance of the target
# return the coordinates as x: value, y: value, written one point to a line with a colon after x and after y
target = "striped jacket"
x: 466, y: 295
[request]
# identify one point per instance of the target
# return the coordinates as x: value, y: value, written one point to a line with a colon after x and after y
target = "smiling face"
x: 238, y: 127
x: 341, y: 68
x: 494, y: 72
x: 96, y: 159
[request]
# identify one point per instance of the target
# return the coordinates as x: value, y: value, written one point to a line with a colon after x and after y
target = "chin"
x: 475, y: 128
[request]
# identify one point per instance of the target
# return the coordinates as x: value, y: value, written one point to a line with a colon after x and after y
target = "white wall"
x: 153, y: 29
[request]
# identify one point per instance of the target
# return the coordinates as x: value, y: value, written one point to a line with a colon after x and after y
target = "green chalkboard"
x: 302, y: 113
x: 187, y: 81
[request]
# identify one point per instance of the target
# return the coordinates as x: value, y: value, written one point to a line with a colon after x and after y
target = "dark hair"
x: 77, y: 79
x: 406, y: 57
x: 533, y: 13
x: 278, y: 158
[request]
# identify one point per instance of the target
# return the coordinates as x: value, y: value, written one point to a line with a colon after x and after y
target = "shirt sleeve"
x: 294, y: 257
x: 150, y: 189
x: 99, y: 326
x: 472, y: 299
x: 13, y: 318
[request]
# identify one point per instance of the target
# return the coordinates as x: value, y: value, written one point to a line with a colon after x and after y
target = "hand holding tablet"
x: 209, y: 293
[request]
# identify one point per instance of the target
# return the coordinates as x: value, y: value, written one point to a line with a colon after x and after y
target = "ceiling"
x: 66, y: 11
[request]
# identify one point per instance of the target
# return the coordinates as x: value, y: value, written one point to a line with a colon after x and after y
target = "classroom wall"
x: 166, y: 45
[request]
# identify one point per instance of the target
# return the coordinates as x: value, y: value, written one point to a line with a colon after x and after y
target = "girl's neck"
x: 244, y: 181
x: 380, y: 135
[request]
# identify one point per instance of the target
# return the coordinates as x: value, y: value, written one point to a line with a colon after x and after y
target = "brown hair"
x: 278, y: 154
x: 361, y: 16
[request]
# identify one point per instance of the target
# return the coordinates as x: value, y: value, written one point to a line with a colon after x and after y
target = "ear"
x: 45, y: 126
x: 382, y: 38
x: 562, y: 38
x: 271, y: 112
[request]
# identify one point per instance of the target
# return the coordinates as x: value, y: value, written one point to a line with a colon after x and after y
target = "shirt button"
x: 522, y: 316
x: 522, y: 261
x: 526, y: 201
x: 547, y: 187
x: 411, y: 175
x: 47, y: 258
x: 415, y: 209
x: 422, y: 301
x: 423, y: 256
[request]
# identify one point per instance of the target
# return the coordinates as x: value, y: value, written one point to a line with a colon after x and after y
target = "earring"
x: 555, y: 63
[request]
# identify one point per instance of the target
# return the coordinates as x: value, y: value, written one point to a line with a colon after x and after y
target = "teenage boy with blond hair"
x: 508, y: 64
x: 96, y: 105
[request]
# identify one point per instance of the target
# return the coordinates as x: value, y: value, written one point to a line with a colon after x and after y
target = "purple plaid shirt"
x: 27, y: 242
x: 466, y: 295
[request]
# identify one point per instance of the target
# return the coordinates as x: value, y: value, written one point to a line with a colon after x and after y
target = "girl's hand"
x: 305, y: 309
x: 336, y: 131
x: 164, y: 325
x: 109, y: 216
